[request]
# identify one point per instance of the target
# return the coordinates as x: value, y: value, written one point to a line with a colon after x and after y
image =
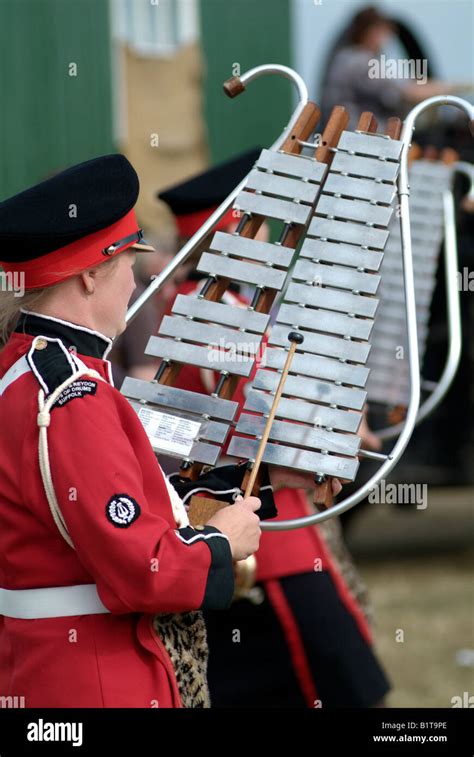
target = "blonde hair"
x: 11, y: 302
x: 10, y: 306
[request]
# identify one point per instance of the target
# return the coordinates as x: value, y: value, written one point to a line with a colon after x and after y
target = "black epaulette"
x: 51, y: 362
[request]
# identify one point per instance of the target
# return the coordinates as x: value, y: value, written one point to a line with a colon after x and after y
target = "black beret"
x: 210, y: 188
x: 70, y: 205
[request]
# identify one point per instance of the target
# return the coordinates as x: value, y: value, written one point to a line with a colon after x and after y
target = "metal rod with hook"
x: 187, y: 250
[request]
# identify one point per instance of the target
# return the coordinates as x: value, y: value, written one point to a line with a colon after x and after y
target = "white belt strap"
x: 51, y: 602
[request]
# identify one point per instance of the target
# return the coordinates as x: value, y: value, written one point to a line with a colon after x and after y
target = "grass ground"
x: 419, y: 569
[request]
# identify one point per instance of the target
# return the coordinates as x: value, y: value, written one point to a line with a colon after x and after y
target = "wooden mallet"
x: 323, y: 498
x: 203, y: 508
x: 296, y: 339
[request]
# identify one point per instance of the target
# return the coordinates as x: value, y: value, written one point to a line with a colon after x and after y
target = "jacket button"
x: 41, y: 344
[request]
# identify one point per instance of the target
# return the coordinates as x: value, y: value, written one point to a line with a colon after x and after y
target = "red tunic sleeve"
x: 114, y: 500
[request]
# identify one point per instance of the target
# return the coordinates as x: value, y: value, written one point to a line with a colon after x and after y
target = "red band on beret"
x: 191, y: 222
x: 75, y: 257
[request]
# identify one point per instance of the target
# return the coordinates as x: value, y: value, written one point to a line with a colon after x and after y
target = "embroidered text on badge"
x: 79, y: 388
x: 122, y: 510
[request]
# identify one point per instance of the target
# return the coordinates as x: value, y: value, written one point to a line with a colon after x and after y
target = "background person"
x: 347, y: 78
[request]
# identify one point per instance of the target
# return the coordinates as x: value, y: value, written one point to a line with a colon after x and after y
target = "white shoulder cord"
x: 44, y: 419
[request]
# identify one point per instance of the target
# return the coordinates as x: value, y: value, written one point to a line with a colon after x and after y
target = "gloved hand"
x: 225, y: 484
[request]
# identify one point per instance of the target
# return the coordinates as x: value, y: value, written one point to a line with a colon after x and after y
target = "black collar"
x: 84, y: 340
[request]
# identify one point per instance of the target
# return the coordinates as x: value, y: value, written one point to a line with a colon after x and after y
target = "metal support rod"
x: 284, y: 233
x: 370, y: 455
x: 187, y: 250
x: 207, y: 285
x: 224, y: 375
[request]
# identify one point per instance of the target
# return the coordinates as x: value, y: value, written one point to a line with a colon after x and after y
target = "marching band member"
x: 102, y: 578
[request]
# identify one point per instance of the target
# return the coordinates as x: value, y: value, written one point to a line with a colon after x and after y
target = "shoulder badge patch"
x: 79, y: 388
x: 122, y: 510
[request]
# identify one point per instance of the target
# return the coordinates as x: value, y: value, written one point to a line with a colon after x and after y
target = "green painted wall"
x: 247, y: 32
x: 50, y: 119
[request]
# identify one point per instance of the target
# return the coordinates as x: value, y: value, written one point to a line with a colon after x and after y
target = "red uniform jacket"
x: 117, y: 509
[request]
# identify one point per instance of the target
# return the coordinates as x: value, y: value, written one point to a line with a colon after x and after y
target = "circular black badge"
x: 122, y: 510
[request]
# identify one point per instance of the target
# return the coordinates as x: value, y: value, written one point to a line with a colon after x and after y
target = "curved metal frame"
x: 410, y: 309
x: 191, y: 244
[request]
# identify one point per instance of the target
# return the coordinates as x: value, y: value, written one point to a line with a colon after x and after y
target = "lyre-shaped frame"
x: 406, y: 428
